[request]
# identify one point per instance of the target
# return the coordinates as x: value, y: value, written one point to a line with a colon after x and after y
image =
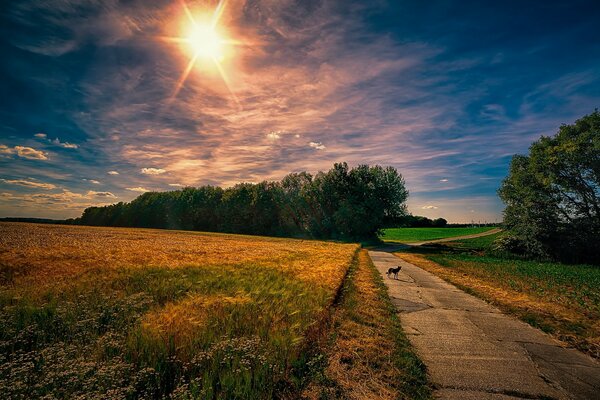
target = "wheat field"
x: 91, y: 312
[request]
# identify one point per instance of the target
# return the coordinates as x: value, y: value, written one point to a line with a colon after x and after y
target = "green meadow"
x: 408, y: 235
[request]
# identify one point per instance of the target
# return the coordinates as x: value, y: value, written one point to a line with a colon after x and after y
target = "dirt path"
x: 451, y: 239
x: 473, y: 351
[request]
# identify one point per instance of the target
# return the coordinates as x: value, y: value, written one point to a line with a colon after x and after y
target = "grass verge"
x: 562, y: 300
x: 368, y: 355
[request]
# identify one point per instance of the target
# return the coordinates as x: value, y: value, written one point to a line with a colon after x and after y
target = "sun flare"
x: 206, y: 44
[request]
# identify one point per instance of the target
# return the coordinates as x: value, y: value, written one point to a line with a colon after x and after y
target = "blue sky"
x: 445, y: 91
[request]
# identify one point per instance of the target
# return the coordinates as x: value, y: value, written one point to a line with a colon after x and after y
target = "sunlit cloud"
x: 40, y: 135
x: 28, y: 183
x: 444, y: 180
x: 176, y: 185
x: 138, y: 189
x: 153, y: 171
x: 24, y: 152
x: 92, y: 193
x: 317, y: 145
x: 429, y: 207
x: 113, y: 173
x: 274, y: 135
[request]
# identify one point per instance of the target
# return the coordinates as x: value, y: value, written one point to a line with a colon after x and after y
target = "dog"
x: 394, y: 271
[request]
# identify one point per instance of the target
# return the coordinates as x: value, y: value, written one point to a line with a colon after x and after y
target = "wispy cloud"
x: 28, y: 183
x: 314, y: 84
x: 429, y: 207
x: 137, y: 189
x: 56, y: 141
x: 109, y: 195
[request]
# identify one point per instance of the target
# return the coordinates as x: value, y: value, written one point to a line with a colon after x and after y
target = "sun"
x: 205, y: 42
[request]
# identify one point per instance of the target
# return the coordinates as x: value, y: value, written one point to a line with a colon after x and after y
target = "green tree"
x: 552, y: 195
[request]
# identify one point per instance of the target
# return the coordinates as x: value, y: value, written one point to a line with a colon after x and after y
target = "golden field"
x: 139, y: 313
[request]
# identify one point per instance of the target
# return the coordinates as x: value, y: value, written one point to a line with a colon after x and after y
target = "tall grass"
x: 176, y: 316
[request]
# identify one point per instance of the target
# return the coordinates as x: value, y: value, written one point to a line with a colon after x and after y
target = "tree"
x: 552, y: 195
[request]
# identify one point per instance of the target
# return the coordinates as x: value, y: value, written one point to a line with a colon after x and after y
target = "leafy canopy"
x: 552, y: 195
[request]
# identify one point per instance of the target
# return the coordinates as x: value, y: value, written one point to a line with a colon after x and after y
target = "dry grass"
x: 61, y: 253
x: 369, y: 357
x: 128, y: 313
x: 575, y: 324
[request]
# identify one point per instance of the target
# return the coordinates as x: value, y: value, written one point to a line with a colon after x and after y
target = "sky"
x: 96, y: 106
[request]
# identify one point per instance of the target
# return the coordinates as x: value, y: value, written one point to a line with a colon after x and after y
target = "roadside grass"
x: 408, y: 235
x: 563, y: 300
x: 137, y: 313
x: 368, y: 356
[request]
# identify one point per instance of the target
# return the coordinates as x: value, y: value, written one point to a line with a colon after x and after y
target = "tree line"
x: 342, y: 203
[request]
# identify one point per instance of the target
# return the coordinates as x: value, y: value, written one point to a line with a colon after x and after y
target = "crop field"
x: 408, y: 235
x: 138, y: 313
x: 561, y: 299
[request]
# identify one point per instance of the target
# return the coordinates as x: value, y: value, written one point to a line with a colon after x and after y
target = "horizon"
x: 105, y: 101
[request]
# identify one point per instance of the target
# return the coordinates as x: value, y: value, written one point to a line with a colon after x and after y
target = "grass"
x: 409, y: 235
x: 369, y: 356
x: 563, y: 300
x: 138, y: 313
x: 479, y: 244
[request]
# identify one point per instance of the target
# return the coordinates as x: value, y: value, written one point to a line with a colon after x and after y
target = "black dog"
x: 394, y: 271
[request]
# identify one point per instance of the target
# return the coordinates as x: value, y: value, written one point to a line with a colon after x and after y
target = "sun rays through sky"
x: 103, y: 100
x: 205, y: 41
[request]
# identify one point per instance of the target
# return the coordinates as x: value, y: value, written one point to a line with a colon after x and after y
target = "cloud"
x: 30, y: 153
x: 56, y: 141
x: 69, y: 145
x: 95, y: 182
x: 274, y: 135
x: 444, y: 180
x: 138, y: 189
x: 24, y: 152
x: 32, y: 184
x: 430, y: 207
x: 317, y: 145
x: 176, y: 184
x: 152, y: 171
x: 113, y: 173
x: 92, y: 193
x: 65, y: 145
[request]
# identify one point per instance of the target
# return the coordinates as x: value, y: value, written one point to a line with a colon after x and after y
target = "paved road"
x: 473, y: 351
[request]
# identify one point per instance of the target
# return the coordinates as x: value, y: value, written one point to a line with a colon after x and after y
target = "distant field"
x: 137, y: 313
x: 561, y: 299
x: 407, y: 235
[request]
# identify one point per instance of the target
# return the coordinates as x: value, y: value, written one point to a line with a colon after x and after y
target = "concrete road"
x: 473, y: 351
